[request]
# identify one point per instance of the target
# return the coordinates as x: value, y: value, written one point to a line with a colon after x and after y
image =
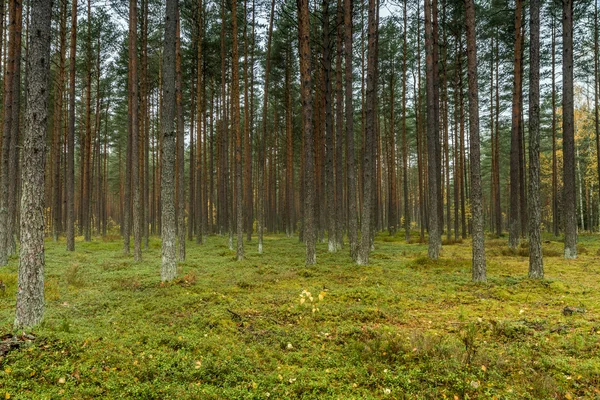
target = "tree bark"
x: 350, y: 156
x: 368, y: 155
x: 569, y: 203
x: 135, y: 128
x: 30, y: 294
x: 435, y: 240
x: 169, y: 263
x: 307, y: 127
x: 239, y: 204
x: 478, y: 266
x: 515, y: 211
x: 180, y: 145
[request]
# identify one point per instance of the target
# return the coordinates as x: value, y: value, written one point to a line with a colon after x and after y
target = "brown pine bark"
x: 200, y: 127
x: 370, y: 140
x: 9, y: 77
x: 261, y: 157
x: 70, y: 177
x: 536, y: 264
x: 435, y: 241
x: 58, y: 122
x: 350, y: 156
x: 404, y: 139
x: 569, y: 202
x: 180, y: 145
x: 307, y: 127
x: 478, y: 266
x: 30, y: 294
x: 87, y: 153
x: 169, y: 264
x: 339, y: 129
x: 135, y: 128
x: 239, y: 204
x: 515, y: 211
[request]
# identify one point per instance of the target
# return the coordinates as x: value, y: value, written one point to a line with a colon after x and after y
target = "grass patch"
x: 269, y: 327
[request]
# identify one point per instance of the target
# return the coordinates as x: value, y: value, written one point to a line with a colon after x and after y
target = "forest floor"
x: 402, y: 327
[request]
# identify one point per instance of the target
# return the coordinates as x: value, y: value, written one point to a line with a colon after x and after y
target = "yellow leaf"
x: 62, y: 379
x: 321, y: 296
x: 568, y: 396
x: 7, y: 370
x: 7, y: 395
x: 483, y: 368
x: 302, y: 300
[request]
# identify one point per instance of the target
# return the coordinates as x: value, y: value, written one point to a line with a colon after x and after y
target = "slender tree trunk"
x: 180, y: 144
x: 435, y: 240
x: 9, y: 77
x: 350, y: 157
x: 169, y: 263
x: 478, y: 268
x: 261, y: 157
x: 134, y: 121
x: 555, y: 229
x: 404, y: 139
x: 239, y: 204
x: 536, y: 265
x: 57, y: 129
x: 515, y: 211
x: 30, y: 294
x: 200, y: 128
x: 569, y: 203
x: 13, y: 171
x: 339, y: 129
x: 368, y: 156
x: 307, y: 126
x: 70, y: 178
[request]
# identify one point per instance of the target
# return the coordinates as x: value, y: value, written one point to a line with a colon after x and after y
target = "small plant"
x: 73, y: 276
x: 469, y: 338
x: 307, y: 296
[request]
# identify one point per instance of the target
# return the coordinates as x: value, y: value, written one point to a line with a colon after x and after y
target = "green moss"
x: 404, y: 324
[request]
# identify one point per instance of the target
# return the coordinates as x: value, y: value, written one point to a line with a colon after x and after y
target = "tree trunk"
x: 307, y: 126
x: 30, y: 294
x: 261, y: 157
x: 134, y: 121
x: 515, y: 211
x: 350, y: 157
x: 536, y: 265
x: 569, y: 203
x: 180, y: 144
x: 339, y: 129
x: 478, y: 267
x: 404, y: 139
x: 169, y: 263
x: 239, y: 204
x: 70, y: 178
x: 368, y: 154
x: 435, y: 240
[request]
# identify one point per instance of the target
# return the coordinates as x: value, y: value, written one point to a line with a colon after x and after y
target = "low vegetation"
x: 268, y: 327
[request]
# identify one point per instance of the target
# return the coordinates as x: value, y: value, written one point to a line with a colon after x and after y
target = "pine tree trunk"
x: 57, y: 129
x: 169, y: 263
x: 134, y: 121
x: 435, y: 240
x: 515, y: 211
x: 70, y: 178
x: 339, y: 129
x: 350, y: 156
x: 30, y: 295
x: 404, y: 139
x: 569, y: 203
x: 261, y: 151
x: 369, y: 144
x: 536, y: 265
x: 478, y: 267
x: 239, y: 204
x: 307, y: 127
x: 180, y: 145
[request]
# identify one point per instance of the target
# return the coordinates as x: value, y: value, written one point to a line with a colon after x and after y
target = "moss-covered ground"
x: 270, y: 328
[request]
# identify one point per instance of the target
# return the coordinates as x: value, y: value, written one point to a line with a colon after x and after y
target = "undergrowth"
x: 268, y: 327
